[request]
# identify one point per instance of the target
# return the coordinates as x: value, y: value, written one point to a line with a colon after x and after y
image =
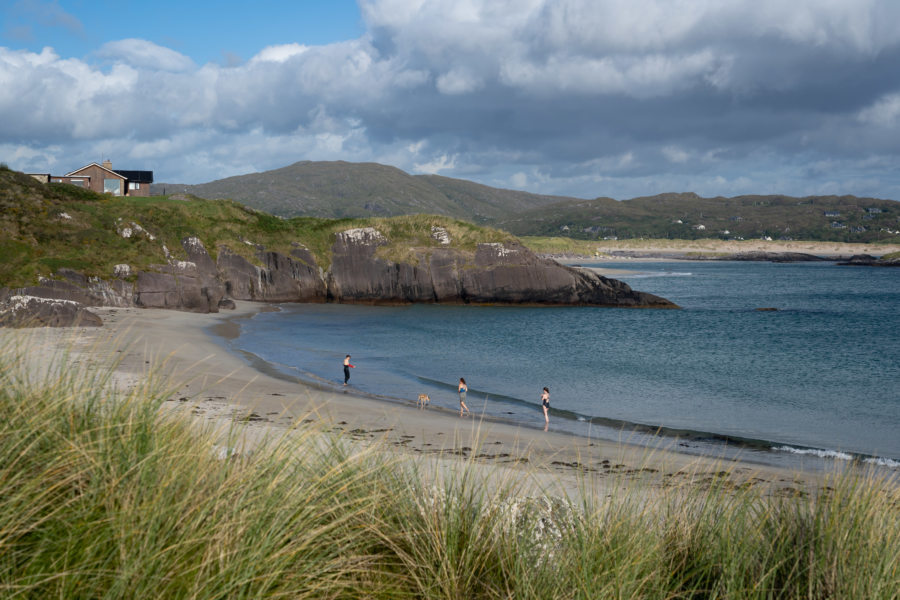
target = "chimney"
x: 107, y: 164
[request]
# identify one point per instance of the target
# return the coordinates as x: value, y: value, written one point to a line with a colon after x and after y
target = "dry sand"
x: 212, y: 386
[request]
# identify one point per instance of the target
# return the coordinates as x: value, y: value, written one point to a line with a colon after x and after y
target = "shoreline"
x: 210, y: 384
x: 681, y: 440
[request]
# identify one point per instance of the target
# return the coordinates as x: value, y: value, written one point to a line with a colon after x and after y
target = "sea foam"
x: 872, y: 460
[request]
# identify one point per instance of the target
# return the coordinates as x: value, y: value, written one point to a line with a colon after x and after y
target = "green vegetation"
x: 560, y: 245
x: 690, y: 217
x: 47, y: 227
x: 105, y: 496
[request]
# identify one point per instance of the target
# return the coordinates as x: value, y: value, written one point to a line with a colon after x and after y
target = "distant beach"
x: 606, y: 249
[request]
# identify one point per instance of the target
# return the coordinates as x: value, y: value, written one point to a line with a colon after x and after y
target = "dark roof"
x: 136, y: 176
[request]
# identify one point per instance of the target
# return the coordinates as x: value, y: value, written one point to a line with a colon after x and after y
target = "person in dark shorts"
x: 462, y: 389
x: 347, y: 367
x: 545, y: 404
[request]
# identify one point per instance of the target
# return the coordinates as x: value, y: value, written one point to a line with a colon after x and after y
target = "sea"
x: 811, y: 384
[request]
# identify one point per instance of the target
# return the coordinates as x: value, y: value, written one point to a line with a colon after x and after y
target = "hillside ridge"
x: 340, y: 189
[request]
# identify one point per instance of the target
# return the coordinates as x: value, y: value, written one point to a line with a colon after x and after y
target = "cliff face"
x: 493, y: 274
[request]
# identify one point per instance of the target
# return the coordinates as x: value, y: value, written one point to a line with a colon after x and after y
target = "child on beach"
x: 462, y: 389
x: 347, y: 367
x: 545, y: 404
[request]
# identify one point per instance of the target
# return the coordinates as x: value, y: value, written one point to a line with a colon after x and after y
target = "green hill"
x: 46, y: 227
x: 689, y: 216
x: 341, y: 189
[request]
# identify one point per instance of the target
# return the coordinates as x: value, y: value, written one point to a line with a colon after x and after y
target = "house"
x: 104, y: 179
x: 832, y: 213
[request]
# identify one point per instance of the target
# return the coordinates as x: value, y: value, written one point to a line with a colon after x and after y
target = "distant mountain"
x: 341, y: 189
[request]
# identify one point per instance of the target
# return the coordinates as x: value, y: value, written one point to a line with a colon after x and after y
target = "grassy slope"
x: 35, y: 240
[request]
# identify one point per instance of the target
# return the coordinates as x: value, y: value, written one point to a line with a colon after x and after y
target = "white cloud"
x: 457, y: 81
x: 146, y: 55
x: 519, y: 181
x: 438, y: 164
x: 279, y: 54
x: 885, y: 112
x: 675, y: 154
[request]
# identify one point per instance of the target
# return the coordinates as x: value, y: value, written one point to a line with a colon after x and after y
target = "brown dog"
x: 423, y: 400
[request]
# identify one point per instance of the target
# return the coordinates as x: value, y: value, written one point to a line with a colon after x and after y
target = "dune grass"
x: 103, y: 495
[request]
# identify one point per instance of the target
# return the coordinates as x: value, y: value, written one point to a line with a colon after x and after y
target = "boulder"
x: 779, y: 257
x: 32, y: 311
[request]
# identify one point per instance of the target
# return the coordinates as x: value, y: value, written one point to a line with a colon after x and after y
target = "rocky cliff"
x: 494, y: 273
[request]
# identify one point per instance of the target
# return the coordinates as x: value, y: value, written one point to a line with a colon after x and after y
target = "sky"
x: 585, y: 98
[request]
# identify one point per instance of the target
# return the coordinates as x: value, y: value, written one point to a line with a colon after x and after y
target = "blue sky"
x: 205, y: 31
x: 574, y: 97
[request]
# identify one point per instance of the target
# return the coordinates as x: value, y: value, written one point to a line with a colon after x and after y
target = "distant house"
x: 874, y: 211
x: 836, y: 225
x: 105, y: 180
x: 832, y: 213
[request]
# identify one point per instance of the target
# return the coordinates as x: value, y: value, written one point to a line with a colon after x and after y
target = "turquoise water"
x: 819, y: 377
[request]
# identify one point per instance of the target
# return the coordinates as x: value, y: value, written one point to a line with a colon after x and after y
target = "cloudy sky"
x: 587, y: 98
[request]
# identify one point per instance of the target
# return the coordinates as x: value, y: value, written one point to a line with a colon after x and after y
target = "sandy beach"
x: 714, y: 246
x: 212, y: 386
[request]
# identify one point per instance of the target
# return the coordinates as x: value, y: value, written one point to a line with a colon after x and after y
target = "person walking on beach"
x: 347, y: 367
x: 462, y: 389
x: 545, y: 404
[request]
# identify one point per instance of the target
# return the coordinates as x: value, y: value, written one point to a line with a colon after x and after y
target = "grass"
x: 103, y: 495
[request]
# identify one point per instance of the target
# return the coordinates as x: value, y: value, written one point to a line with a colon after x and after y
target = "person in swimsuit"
x: 462, y: 389
x: 545, y: 404
x: 347, y: 367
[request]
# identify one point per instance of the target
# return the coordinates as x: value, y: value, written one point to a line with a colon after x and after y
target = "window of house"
x: 112, y: 186
x: 133, y: 185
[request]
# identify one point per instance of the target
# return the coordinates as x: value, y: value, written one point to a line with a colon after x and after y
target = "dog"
x: 423, y: 400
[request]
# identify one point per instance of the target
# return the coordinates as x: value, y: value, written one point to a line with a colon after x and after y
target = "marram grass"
x: 102, y: 495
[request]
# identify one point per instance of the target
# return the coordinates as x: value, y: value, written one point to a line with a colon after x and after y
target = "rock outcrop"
x: 492, y: 273
x: 30, y: 311
x: 867, y: 260
x: 193, y: 285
